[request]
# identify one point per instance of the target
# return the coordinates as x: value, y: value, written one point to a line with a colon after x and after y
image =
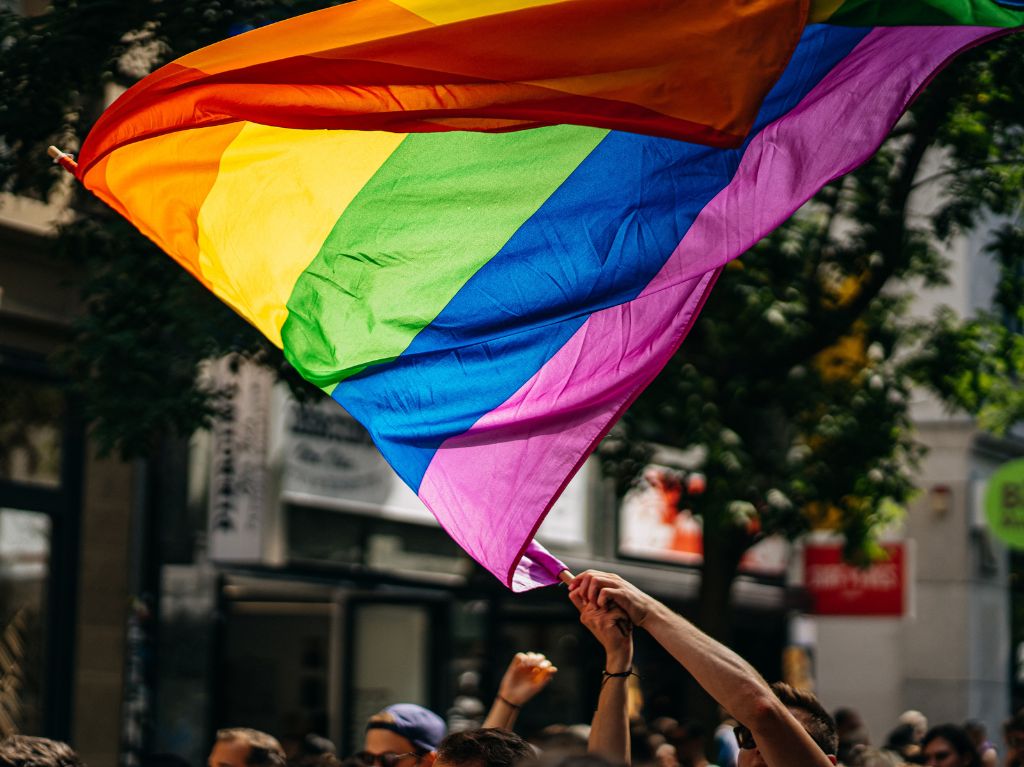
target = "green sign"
x: 1004, y: 503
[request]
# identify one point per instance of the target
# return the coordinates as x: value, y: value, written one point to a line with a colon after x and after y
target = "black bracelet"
x: 507, y: 702
x: 606, y: 675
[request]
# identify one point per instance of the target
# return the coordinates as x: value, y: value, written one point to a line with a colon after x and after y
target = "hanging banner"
x: 838, y: 588
x: 239, y: 475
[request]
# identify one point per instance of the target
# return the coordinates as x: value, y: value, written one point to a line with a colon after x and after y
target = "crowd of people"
x: 765, y: 725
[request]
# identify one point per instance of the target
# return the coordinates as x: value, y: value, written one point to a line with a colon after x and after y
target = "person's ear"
x: 427, y: 760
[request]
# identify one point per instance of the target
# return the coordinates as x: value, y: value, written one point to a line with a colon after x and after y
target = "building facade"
x: 66, y: 514
x: 954, y: 652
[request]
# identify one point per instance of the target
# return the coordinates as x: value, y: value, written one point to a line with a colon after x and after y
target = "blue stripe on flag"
x: 596, y: 242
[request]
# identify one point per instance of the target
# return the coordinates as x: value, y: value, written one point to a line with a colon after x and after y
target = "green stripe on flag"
x: 438, y: 209
x: 893, y: 13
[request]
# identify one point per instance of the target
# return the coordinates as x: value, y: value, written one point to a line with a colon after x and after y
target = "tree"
x: 147, y: 326
x: 794, y: 384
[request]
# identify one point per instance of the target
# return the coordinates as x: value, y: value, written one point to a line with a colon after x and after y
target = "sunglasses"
x: 744, y: 738
x: 387, y: 759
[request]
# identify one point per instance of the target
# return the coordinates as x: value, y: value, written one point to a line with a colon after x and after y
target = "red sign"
x: 837, y: 588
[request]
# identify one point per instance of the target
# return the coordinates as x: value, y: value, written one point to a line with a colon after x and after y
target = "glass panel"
x: 319, y: 535
x: 24, y: 575
x: 383, y: 634
x: 324, y: 535
x: 31, y: 417
x: 275, y: 668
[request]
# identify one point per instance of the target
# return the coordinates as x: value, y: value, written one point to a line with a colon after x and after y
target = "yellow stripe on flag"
x: 277, y: 197
x: 449, y: 11
x: 822, y: 10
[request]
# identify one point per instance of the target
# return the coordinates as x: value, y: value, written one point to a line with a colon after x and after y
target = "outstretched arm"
x: 527, y: 675
x: 728, y: 678
x: 609, y: 730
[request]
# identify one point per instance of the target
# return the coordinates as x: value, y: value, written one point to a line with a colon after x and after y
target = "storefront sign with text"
x: 838, y: 588
x: 1004, y: 503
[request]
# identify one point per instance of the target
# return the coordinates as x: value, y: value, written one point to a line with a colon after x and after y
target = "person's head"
x: 948, y: 745
x: 976, y: 731
x: 666, y: 755
x: 316, y: 745
x: 163, y: 759
x: 244, y: 747
x: 917, y: 720
x: 874, y: 757
x: 853, y: 734
x: 562, y: 739
x: 312, y: 750
x: 811, y: 715
x: 577, y: 760
x: 1013, y: 734
x: 490, y: 747
x: 847, y: 721
x: 688, y: 740
x: 402, y: 735
x: 26, y: 751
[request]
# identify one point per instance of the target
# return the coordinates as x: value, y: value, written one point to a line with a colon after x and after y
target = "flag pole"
x: 66, y: 161
x: 624, y: 624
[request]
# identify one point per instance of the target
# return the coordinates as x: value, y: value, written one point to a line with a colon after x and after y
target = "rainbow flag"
x: 488, y: 303
x: 490, y: 65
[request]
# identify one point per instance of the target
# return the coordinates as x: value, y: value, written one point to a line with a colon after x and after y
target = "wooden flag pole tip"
x: 566, y: 577
x: 66, y: 161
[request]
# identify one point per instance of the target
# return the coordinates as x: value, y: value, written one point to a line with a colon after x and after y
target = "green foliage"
x: 795, y: 383
x: 148, y: 325
x: 988, y: 349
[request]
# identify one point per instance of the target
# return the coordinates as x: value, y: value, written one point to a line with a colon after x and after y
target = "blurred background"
x: 190, y: 538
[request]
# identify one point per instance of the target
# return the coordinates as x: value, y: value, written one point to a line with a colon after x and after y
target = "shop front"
x: 39, y: 455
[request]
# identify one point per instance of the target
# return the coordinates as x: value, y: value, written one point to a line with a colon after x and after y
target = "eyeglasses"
x: 938, y: 756
x: 387, y: 759
x: 744, y: 737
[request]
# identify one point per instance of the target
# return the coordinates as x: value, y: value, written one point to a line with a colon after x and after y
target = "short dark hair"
x: 901, y: 737
x: 1015, y: 723
x: 490, y: 747
x: 958, y: 738
x: 846, y: 717
x: 264, y: 750
x: 578, y: 760
x: 818, y: 723
x: 27, y: 751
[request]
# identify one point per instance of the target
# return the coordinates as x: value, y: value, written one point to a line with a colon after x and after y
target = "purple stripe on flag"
x: 537, y: 439
x: 486, y: 485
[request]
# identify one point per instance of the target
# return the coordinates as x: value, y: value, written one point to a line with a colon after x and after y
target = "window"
x: 31, y: 431
x: 24, y: 584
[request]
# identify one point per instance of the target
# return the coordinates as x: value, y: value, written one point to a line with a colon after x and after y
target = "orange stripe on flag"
x: 693, y: 69
x: 161, y: 183
x: 338, y: 27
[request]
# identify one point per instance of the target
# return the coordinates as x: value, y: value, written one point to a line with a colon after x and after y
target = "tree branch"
x: 828, y: 325
x: 962, y: 168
